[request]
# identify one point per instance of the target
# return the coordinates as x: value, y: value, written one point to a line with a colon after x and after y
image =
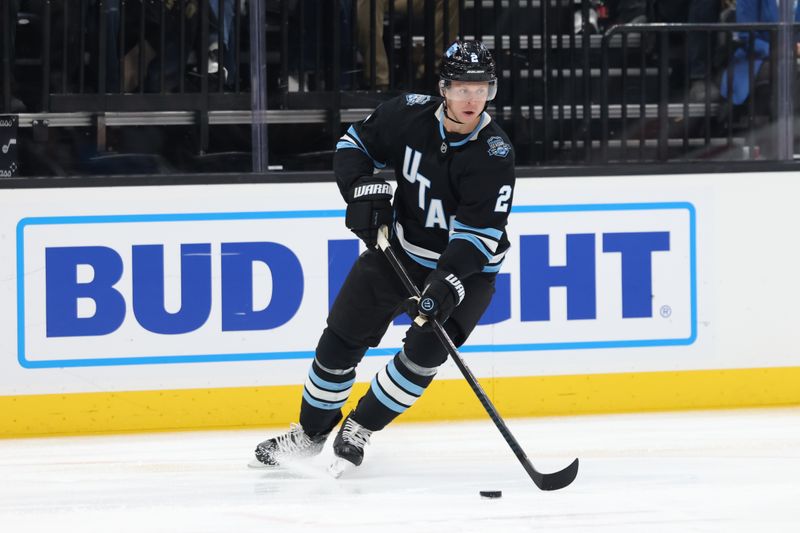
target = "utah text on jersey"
x: 462, y: 193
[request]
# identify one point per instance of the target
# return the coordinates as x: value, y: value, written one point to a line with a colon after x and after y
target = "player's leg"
x: 359, y: 317
x: 328, y: 384
x: 406, y: 376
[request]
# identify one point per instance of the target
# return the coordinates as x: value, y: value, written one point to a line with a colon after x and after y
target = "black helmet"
x: 468, y: 61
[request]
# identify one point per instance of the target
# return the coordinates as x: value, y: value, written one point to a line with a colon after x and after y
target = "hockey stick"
x: 554, y: 481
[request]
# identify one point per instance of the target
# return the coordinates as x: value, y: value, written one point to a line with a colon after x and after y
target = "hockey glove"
x: 442, y: 294
x: 368, y: 208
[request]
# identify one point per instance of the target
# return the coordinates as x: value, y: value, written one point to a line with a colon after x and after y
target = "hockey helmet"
x: 468, y: 61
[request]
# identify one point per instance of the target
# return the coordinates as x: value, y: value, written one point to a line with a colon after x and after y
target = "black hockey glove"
x: 369, y: 206
x: 442, y: 294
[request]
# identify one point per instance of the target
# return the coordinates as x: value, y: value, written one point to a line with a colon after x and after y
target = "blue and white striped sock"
x: 393, y: 390
x: 326, y: 391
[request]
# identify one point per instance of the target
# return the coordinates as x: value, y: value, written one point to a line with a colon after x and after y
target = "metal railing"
x: 565, y: 98
x: 715, y: 117
x: 132, y: 62
x: 140, y: 61
x: 6, y: 55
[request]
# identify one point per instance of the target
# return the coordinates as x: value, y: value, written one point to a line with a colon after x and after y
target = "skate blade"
x: 255, y: 463
x: 339, y: 467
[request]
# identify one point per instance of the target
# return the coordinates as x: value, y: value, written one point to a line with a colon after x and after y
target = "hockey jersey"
x: 454, y: 192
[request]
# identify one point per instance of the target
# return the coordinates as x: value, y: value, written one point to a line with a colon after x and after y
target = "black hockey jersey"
x: 454, y: 192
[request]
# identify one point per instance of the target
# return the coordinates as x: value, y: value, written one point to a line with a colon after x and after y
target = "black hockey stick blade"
x: 552, y: 481
x: 557, y: 480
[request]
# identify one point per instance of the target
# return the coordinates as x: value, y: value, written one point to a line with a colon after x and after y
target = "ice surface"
x: 718, y: 471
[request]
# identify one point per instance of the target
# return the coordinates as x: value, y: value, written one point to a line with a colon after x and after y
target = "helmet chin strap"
x: 446, y: 114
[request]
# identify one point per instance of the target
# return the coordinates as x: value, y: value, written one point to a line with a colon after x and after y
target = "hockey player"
x: 455, y: 179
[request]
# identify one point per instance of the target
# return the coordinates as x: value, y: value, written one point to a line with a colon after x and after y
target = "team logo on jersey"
x: 498, y: 147
x: 417, y: 99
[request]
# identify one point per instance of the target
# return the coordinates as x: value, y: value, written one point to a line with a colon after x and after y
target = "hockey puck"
x: 491, y: 493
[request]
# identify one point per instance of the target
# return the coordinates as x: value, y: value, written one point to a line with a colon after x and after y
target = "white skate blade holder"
x: 339, y: 467
x: 255, y: 463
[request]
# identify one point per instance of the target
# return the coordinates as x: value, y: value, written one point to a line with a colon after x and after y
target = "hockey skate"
x: 348, y: 447
x: 293, y: 444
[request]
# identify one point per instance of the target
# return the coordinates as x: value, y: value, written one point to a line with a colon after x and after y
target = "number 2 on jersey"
x: 502, y: 199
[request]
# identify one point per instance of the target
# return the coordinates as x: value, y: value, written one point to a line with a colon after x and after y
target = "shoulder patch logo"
x: 498, y: 147
x: 417, y: 99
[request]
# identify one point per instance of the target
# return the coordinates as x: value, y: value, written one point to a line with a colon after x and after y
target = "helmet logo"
x: 467, y: 61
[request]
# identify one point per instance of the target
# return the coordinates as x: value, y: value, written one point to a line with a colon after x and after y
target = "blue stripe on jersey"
x: 352, y: 132
x: 489, y: 232
x: 432, y: 264
x: 474, y: 240
x: 424, y: 262
x: 322, y: 405
x: 401, y: 380
x: 347, y: 144
x: 385, y: 400
x: 428, y: 263
x: 329, y: 385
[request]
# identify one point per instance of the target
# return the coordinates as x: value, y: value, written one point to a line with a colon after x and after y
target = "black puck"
x: 491, y: 493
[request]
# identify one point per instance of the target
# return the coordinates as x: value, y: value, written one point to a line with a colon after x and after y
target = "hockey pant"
x: 370, y: 298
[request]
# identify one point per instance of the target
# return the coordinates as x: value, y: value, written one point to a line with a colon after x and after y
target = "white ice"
x: 719, y: 471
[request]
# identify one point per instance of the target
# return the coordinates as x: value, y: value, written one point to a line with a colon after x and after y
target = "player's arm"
x: 360, y: 152
x: 486, y: 196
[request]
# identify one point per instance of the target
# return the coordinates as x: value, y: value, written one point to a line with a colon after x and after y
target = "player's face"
x: 466, y: 100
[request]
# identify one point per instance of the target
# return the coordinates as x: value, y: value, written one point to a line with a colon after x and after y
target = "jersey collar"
x: 485, y: 119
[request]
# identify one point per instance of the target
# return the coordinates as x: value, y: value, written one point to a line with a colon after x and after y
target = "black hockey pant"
x: 371, y: 297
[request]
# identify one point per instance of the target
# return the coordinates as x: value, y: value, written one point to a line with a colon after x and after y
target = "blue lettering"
x: 148, y: 288
x: 342, y: 254
x: 63, y: 291
x: 637, y: 268
x: 578, y: 276
x: 237, y: 282
x: 537, y: 277
x: 500, y: 307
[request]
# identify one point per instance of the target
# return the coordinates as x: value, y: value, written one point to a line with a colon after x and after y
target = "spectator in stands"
x: 697, y: 42
x: 110, y: 11
x: 11, y: 10
x: 750, y: 11
x: 149, y: 46
x: 692, y: 11
x: 627, y: 11
x: 171, y: 54
x: 400, y: 10
x: 606, y: 13
x: 222, y: 24
x: 111, y: 44
x: 310, y: 50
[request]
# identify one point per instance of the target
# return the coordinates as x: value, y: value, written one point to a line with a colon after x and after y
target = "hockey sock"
x: 326, y: 391
x: 393, y: 390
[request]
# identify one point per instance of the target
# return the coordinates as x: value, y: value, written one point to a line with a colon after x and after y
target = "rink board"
x: 136, y: 411
x: 148, y: 308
